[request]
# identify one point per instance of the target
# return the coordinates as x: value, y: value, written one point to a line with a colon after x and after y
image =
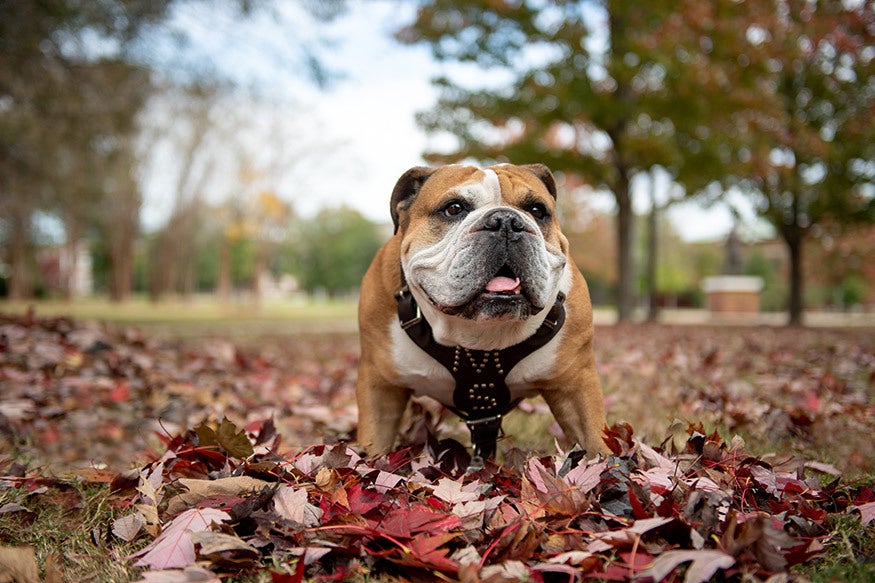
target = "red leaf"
x: 361, y: 500
x: 638, y: 510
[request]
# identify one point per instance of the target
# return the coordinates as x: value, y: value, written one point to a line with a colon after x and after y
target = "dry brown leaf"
x: 200, y: 489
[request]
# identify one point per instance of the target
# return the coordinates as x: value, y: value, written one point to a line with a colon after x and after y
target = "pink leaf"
x: 586, y: 477
x: 292, y: 504
x: 174, y: 548
x: 453, y: 492
x: 386, y: 481
x: 867, y: 512
x: 704, y: 564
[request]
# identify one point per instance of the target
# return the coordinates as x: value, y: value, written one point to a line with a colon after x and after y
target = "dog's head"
x: 480, y: 244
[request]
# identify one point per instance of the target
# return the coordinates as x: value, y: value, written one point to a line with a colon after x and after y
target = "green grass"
x: 67, y: 525
x: 849, y: 556
x: 204, y: 315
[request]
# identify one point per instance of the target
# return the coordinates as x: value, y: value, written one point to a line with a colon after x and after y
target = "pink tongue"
x: 503, y: 284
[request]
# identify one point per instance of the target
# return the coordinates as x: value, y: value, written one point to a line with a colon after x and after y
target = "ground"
x: 83, y: 403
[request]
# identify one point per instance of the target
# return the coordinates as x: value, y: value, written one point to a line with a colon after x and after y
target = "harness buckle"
x: 552, y: 324
x: 400, y: 296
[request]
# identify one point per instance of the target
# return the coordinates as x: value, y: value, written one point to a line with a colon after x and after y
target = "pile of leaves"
x: 219, y: 502
x: 76, y: 394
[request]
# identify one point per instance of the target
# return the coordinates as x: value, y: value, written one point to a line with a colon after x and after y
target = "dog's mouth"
x: 504, y: 283
x: 503, y: 297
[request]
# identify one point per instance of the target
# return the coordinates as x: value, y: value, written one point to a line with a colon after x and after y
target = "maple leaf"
x: 586, y: 476
x: 174, y: 548
x: 128, y: 527
x: 867, y: 512
x: 191, y: 574
x: 386, y: 481
x: 704, y: 564
x: 424, y: 551
x: 225, y: 550
x: 292, y: 504
x: 233, y: 440
x: 454, y: 492
x: 760, y: 534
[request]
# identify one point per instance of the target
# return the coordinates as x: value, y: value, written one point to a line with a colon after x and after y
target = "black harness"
x: 481, y: 396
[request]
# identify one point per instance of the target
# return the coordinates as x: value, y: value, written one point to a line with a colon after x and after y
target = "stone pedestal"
x: 732, y: 295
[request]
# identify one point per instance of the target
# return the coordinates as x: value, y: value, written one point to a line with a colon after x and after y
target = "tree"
x: 65, y: 113
x: 336, y: 247
x: 583, y: 104
x: 801, y: 138
x: 74, y: 79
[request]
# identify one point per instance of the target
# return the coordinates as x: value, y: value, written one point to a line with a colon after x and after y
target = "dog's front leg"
x: 381, y: 407
x: 580, y: 413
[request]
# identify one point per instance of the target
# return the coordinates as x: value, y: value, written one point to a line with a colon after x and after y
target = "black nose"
x: 503, y: 220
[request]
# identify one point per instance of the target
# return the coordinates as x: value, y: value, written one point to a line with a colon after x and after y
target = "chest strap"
x: 481, y: 396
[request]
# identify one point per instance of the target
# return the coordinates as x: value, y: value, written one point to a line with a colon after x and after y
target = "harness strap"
x: 481, y: 396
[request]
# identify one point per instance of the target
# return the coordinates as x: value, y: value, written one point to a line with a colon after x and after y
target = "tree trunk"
x: 121, y: 227
x: 793, y: 236
x: 121, y: 272
x: 652, y: 254
x: 223, y: 285
x: 20, y: 273
x: 68, y: 261
x: 625, y: 270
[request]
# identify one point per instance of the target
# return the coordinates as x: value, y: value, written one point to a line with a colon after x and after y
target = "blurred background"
x: 715, y: 159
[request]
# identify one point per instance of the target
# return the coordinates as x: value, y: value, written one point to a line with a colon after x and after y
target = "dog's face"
x: 480, y: 244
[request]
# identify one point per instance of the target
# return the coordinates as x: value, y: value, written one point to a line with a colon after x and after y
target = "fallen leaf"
x: 200, y: 489
x: 454, y: 492
x: 174, y: 547
x: 128, y: 527
x: 704, y: 564
x: 867, y: 512
x: 187, y: 575
x: 292, y: 504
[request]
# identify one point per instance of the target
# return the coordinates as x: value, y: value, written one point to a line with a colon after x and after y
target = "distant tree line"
x: 85, y: 107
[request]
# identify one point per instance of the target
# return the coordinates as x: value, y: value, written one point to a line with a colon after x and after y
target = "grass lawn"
x: 204, y: 315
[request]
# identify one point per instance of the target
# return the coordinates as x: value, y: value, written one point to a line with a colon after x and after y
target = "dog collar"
x: 481, y: 396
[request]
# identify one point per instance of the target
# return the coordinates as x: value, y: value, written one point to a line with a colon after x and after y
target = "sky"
x: 362, y: 126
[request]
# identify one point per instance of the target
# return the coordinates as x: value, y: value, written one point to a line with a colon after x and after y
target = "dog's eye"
x: 538, y: 211
x: 454, y: 209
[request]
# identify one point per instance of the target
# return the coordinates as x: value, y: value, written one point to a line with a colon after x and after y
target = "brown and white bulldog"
x: 476, y: 279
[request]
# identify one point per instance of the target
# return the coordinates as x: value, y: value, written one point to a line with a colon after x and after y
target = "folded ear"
x: 542, y: 172
x: 406, y: 190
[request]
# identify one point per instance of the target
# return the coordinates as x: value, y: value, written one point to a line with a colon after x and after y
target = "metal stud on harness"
x: 481, y: 396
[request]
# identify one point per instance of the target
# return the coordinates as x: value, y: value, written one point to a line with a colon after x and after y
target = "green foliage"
x: 773, y: 297
x: 854, y: 290
x: 334, y: 250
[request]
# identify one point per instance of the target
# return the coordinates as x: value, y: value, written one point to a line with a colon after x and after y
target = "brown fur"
x: 573, y: 391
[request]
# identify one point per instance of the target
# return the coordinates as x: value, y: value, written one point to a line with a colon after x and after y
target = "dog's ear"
x: 406, y: 189
x: 544, y: 174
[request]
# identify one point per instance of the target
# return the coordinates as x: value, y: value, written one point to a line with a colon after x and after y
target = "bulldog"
x: 475, y: 302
